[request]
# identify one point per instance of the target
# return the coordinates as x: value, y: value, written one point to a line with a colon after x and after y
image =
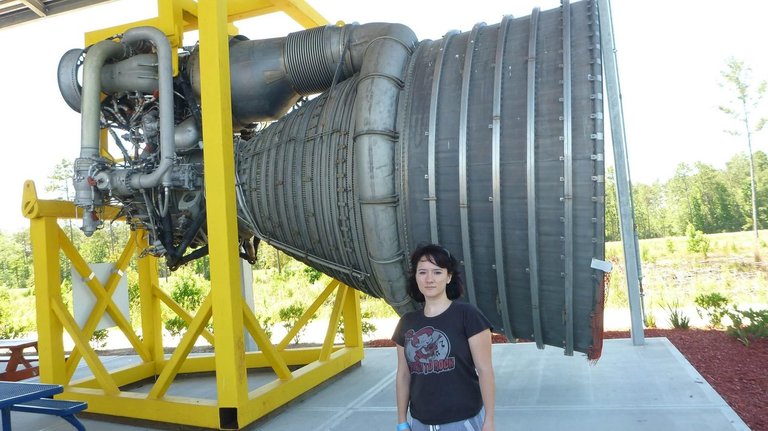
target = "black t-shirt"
x: 444, y: 384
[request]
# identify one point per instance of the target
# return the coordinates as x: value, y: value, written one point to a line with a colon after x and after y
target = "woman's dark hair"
x: 443, y: 258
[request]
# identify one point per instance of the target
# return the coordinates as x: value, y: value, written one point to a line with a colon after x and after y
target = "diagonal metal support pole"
x: 623, y: 181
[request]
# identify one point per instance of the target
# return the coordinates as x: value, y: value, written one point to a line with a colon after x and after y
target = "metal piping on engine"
x: 90, y: 175
x: 382, y: 73
x: 165, y: 89
x: 90, y: 107
x: 269, y: 76
x: 87, y: 196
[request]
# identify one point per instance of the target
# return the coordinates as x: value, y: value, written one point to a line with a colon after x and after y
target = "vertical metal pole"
x: 530, y: 145
x: 231, y: 382
x: 567, y: 178
x: 353, y: 321
x: 466, y: 249
x: 151, y: 318
x: 44, y: 235
x: 496, y: 174
x: 432, y: 142
x: 623, y: 181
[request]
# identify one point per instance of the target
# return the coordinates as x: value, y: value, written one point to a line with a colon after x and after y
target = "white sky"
x: 670, y: 55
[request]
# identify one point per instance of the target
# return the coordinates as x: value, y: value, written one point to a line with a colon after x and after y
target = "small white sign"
x: 601, y: 265
x: 83, y: 299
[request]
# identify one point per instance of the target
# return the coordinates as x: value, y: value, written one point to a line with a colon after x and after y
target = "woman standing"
x: 444, y: 369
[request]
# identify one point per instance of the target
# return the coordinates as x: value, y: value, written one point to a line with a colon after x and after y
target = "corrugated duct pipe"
x: 377, y: 54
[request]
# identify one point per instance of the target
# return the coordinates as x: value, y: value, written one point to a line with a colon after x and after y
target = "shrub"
x: 748, y: 324
x: 677, y: 318
x: 189, y: 293
x: 99, y: 338
x: 312, y: 274
x: 712, y: 307
x: 15, y: 321
x: 697, y: 241
x: 290, y: 315
x: 266, y: 325
x: 368, y: 327
x: 646, y: 255
x: 670, y: 246
x: 650, y: 320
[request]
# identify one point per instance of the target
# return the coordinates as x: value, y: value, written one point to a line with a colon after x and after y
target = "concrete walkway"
x: 643, y: 388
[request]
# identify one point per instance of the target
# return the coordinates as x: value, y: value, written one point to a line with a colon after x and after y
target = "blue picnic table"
x: 19, y: 392
x: 36, y: 398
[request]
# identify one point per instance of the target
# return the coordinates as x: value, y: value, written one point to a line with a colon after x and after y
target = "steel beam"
x: 623, y: 181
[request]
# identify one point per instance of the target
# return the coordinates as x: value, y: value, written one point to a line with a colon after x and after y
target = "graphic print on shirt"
x: 428, y: 351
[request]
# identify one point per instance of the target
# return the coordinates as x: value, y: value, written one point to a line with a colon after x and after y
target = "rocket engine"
x: 355, y: 143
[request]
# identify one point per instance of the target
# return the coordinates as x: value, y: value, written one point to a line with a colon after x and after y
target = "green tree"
x: 106, y: 244
x: 60, y: 180
x: 15, y: 319
x: 739, y: 186
x: 697, y: 241
x: 202, y: 267
x: 719, y: 208
x: 745, y: 101
x: 701, y: 195
x: 60, y: 184
x: 189, y: 291
x: 650, y: 211
x: 16, y: 260
x: 738, y: 183
x: 761, y: 171
x: 678, y: 198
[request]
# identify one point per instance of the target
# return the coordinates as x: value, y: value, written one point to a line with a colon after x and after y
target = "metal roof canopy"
x: 14, y: 12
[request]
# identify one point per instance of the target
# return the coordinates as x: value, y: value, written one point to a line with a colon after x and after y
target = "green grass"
x: 670, y: 273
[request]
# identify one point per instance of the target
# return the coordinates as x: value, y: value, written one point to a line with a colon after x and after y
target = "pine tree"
x: 747, y: 99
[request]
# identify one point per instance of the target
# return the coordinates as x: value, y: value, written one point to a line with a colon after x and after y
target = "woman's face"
x: 431, y: 279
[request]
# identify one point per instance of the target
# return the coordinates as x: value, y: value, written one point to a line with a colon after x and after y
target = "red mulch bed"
x: 737, y: 372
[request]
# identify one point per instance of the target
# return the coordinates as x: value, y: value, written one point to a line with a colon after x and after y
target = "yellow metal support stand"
x: 296, y: 370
